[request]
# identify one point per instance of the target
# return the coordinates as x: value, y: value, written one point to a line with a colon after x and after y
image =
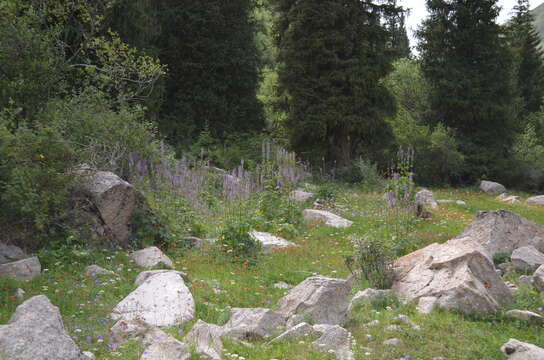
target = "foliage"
x: 328, y: 77
x: 236, y: 241
x: 528, y: 168
x: 501, y: 258
x: 372, y: 261
x: 370, y: 178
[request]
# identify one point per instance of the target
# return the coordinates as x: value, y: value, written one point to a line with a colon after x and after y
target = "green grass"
x: 218, y: 284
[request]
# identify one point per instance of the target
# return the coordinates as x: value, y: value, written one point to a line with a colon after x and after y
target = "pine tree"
x: 396, y: 25
x: 469, y: 68
x: 332, y: 55
x: 525, y: 43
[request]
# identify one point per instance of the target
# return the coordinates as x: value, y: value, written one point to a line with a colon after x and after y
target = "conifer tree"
x: 332, y: 55
x: 469, y: 68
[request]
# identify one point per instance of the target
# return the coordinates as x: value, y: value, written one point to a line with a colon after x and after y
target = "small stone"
x: 392, y: 328
x: 368, y: 296
x: 282, y: 285
x: 89, y: 355
x: 525, y: 316
x: 517, y: 350
x: 372, y: 324
x: 538, y: 279
x: 19, y: 294
x: 150, y: 257
x: 95, y: 270
x: 393, y: 342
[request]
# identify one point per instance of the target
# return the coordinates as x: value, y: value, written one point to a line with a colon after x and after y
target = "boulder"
x: 206, y: 338
x: 144, y: 275
x: 458, y: 274
x: 21, y: 270
x: 150, y: 257
x: 95, y: 270
x: 115, y: 202
x: 326, y: 218
x: 336, y: 340
x: 10, y: 253
x: 270, y: 242
x: 491, y: 187
x: 161, y: 346
x: 535, y: 200
x: 35, y: 331
x: 538, y: 279
x: 296, y: 332
x: 252, y: 323
x: 123, y: 330
x: 526, y: 280
x: 323, y: 300
x: 426, y: 304
x: 301, y: 196
x: 527, y: 258
x: 517, y: 350
x: 502, y: 231
x: 162, y: 300
x: 426, y: 199
x: 525, y: 315
x: 368, y: 296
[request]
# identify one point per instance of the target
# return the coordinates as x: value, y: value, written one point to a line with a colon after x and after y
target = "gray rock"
x: 525, y: 315
x: 294, y: 321
x: 535, y: 200
x: 150, y: 257
x: 426, y: 198
x: 511, y: 286
x: 491, y: 187
x: 504, y: 267
x: 89, y: 355
x: 372, y: 323
x: 161, y: 346
x: 270, y: 242
x: 162, y: 300
x: 526, y: 280
x: 123, y: 330
x: 538, y: 279
x: 35, y: 331
x: 508, y: 199
x: 10, y: 253
x: 282, y: 285
x: 336, y: 340
x: 326, y: 218
x: 517, y: 350
x: 296, y: 332
x: 406, y: 320
x: 392, y: 327
x: 368, y: 296
x: 321, y: 299
x: 206, y: 338
x: 393, y: 342
x: 144, y: 275
x: 21, y: 270
x: 301, y: 196
x: 527, y: 258
x: 95, y: 270
x: 253, y: 323
x: 19, y: 294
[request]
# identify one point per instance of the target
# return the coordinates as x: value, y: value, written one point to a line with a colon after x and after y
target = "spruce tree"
x: 525, y: 43
x: 469, y: 68
x: 332, y: 55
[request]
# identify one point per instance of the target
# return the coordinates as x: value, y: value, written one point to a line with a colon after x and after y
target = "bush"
x: 235, y: 241
x: 370, y: 178
x: 372, y: 262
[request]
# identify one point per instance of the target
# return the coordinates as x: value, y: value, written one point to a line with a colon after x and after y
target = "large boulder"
x: 161, y: 346
x: 270, y: 242
x: 206, y: 339
x: 491, y: 187
x: 527, y: 258
x: 10, y: 253
x: 321, y: 299
x: 150, y: 257
x: 21, y: 270
x: 35, y: 331
x: 114, y: 201
x: 252, y: 323
x: 162, y: 300
x: 458, y: 274
x: 426, y: 198
x: 517, y: 350
x: 535, y: 200
x: 326, y: 218
x: 502, y: 231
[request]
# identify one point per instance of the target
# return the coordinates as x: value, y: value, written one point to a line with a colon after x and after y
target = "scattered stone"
x: 301, y: 196
x: 517, y: 350
x: 144, y: 275
x: 335, y: 340
x: 525, y: 315
x: 89, y: 355
x: 10, y: 253
x: 35, y: 331
x: 526, y: 280
x: 535, y: 200
x: 372, y: 323
x: 206, y: 338
x: 21, y: 270
x: 162, y: 300
x: 527, y: 258
x: 510, y: 285
x: 393, y: 342
x: 296, y: 332
x: 161, y: 346
x: 538, y: 279
x: 270, y: 242
x: 491, y: 187
x: 321, y: 299
x: 282, y: 285
x: 19, y: 294
x: 95, y: 270
x: 150, y: 257
x: 252, y: 323
x: 368, y: 296
x: 509, y: 199
x: 327, y: 218
x: 426, y: 198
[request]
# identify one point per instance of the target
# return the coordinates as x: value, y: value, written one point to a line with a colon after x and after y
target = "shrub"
x: 501, y: 258
x: 235, y: 241
x: 372, y: 262
x: 370, y: 178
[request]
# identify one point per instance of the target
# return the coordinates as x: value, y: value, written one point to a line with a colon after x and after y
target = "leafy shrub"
x: 370, y: 178
x: 276, y: 210
x: 501, y: 258
x: 235, y: 241
x: 527, y: 169
x: 327, y: 191
x: 372, y: 262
